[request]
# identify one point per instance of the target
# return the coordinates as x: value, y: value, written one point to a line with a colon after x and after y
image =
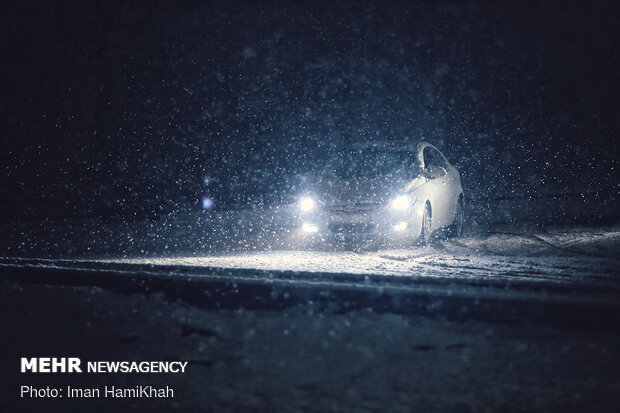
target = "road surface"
x: 491, y: 322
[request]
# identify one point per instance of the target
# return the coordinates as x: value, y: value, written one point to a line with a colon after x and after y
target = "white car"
x: 383, y: 192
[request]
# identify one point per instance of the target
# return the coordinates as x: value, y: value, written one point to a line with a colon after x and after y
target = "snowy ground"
x: 310, y: 357
x: 582, y: 255
x: 302, y: 359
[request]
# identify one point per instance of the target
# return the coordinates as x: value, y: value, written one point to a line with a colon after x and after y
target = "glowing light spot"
x: 207, y: 203
x: 310, y: 228
x: 400, y: 203
x: 307, y: 204
x: 401, y: 226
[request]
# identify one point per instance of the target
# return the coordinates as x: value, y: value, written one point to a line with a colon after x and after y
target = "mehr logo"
x: 50, y: 365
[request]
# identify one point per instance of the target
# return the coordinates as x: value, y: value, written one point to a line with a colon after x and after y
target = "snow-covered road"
x: 553, y: 277
x: 583, y: 256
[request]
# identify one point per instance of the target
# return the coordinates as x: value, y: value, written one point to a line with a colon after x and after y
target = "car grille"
x: 353, y: 208
x: 350, y: 227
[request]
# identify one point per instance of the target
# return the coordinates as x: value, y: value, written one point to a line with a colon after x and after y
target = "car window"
x: 434, y: 163
x: 371, y: 163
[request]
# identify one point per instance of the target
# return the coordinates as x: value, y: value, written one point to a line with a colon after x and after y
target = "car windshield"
x: 371, y: 163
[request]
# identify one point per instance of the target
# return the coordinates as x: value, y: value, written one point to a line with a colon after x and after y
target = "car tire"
x: 456, y: 229
x: 425, y: 235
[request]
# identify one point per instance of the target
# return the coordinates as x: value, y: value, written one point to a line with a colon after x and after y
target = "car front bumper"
x: 380, y: 225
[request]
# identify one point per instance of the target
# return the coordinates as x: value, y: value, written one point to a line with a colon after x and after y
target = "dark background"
x: 114, y: 108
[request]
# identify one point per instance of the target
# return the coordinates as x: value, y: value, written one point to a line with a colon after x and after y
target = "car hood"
x: 332, y: 191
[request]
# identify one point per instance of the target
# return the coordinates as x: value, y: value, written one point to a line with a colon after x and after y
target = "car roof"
x: 389, y: 145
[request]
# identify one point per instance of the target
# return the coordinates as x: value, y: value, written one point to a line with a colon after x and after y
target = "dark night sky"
x: 110, y: 106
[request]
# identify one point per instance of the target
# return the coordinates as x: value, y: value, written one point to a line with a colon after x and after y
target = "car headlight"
x: 400, y: 203
x: 307, y: 204
x: 308, y: 227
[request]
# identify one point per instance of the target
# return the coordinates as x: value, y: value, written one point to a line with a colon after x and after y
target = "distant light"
x: 310, y: 228
x: 307, y: 204
x: 400, y: 203
x: 401, y: 226
x: 207, y: 203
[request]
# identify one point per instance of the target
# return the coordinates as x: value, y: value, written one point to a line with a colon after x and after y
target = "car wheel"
x: 425, y: 236
x: 456, y: 229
